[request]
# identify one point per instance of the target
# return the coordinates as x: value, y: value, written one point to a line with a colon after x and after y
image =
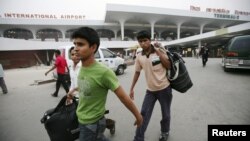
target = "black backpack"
x: 178, y: 75
x: 61, y: 122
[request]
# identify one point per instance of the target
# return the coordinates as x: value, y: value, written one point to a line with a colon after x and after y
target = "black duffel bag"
x: 61, y: 122
x: 178, y: 75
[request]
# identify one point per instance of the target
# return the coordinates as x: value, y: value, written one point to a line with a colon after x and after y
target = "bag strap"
x: 174, y: 64
x: 177, y: 72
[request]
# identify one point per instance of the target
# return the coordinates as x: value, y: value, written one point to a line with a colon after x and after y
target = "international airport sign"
x: 42, y: 16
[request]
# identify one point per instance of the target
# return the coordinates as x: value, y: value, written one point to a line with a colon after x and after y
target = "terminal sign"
x: 226, y: 16
x: 221, y: 12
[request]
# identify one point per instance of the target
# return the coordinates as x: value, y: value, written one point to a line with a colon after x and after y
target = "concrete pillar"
x: 126, y: 53
x: 1, y: 33
x: 115, y: 32
x: 160, y: 34
x: 63, y: 34
x: 201, y: 29
x: 199, y: 44
x: 152, y: 30
x: 122, y: 29
x: 178, y: 30
x: 34, y: 33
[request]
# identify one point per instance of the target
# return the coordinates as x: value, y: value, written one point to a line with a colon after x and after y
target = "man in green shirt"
x: 94, y: 81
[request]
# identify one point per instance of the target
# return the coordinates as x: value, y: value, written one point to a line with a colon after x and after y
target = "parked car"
x: 109, y: 58
x: 236, y: 54
x: 103, y: 55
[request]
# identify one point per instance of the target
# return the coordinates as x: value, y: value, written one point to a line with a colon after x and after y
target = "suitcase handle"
x: 62, y: 103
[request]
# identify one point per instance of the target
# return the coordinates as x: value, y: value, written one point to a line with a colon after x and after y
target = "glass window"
x: 167, y: 35
x: 105, y: 33
x: 228, y: 44
x: 97, y: 55
x: 128, y: 33
x: 69, y: 33
x: 242, y: 44
x: 18, y: 33
x: 107, y: 53
x: 48, y: 33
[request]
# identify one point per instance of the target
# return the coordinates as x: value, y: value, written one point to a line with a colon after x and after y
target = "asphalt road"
x: 216, y: 98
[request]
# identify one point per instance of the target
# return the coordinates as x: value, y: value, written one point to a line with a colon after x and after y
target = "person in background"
x: 94, y: 81
x: 60, y: 65
x: 197, y: 52
x: 204, y: 52
x: 2, y: 82
x: 74, y: 68
x: 154, y: 61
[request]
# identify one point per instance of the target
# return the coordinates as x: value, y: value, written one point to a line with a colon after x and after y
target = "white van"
x: 103, y: 55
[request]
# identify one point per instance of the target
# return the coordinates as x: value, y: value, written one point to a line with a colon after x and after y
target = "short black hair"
x: 71, y: 49
x: 88, y: 34
x: 58, y: 52
x: 143, y: 34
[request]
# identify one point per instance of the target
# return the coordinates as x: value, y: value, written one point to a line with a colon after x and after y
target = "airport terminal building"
x: 27, y: 38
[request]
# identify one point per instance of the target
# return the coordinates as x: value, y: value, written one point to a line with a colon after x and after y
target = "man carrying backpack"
x: 154, y: 61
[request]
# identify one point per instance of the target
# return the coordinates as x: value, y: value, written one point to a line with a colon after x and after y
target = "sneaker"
x: 164, y: 137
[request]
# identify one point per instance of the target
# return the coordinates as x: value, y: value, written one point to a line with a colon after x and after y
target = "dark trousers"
x: 165, y: 98
x: 3, y: 85
x: 204, y: 59
x: 61, y: 80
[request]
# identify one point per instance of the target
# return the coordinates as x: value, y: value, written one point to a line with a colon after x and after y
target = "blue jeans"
x: 165, y: 98
x: 94, y: 131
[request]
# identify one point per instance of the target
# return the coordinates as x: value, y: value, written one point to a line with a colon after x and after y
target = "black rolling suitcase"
x: 61, y: 122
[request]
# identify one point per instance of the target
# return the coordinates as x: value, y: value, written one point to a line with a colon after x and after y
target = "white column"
x: 63, y: 34
x: 152, y: 30
x: 122, y: 29
x: 199, y: 44
x: 178, y: 30
x: 34, y: 33
x: 126, y: 53
x: 201, y: 29
x: 115, y: 31
x: 1, y: 33
x: 159, y: 37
